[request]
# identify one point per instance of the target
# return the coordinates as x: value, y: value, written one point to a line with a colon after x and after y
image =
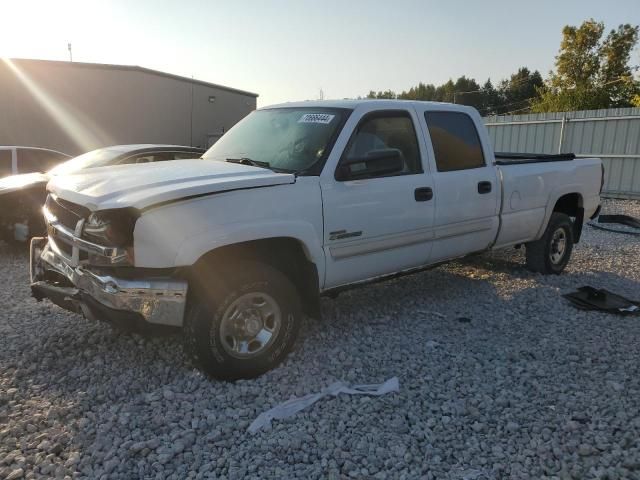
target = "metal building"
x: 611, y: 134
x: 76, y: 107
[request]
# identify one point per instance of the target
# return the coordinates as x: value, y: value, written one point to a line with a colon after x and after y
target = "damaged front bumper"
x: 100, y: 296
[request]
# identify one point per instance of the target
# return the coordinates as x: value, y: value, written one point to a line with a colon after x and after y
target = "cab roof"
x: 382, y: 103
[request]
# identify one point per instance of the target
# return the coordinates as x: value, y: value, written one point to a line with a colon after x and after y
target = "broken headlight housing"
x: 111, y: 228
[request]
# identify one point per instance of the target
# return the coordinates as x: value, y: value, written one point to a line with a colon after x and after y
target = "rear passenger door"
x: 466, y: 184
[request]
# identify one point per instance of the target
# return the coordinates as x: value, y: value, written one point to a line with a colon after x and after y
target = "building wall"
x: 611, y: 134
x: 78, y: 107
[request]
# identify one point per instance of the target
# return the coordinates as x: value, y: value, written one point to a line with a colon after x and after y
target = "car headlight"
x: 111, y: 228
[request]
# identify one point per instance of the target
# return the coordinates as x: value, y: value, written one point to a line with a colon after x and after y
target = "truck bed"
x: 531, y: 186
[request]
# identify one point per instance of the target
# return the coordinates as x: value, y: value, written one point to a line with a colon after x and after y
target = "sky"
x: 288, y: 50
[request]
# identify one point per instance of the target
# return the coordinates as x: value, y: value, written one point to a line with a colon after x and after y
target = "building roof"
x: 134, y: 68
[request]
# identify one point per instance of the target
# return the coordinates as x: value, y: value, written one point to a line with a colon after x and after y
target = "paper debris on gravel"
x: 293, y: 406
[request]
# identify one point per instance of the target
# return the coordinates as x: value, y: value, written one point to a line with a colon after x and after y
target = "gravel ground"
x: 529, y: 387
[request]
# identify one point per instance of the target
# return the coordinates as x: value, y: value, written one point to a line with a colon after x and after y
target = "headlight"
x: 111, y: 228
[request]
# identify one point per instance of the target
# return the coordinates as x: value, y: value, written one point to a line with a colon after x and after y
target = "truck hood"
x: 144, y: 185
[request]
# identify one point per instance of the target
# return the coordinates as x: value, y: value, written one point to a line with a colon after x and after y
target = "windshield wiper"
x: 257, y: 163
x: 248, y: 161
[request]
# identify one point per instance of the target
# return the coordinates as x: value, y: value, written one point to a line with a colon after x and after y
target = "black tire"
x: 543, y: 255
x: 215, y: 294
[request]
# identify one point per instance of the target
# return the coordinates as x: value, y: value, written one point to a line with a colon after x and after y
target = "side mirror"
x: 375, y: 163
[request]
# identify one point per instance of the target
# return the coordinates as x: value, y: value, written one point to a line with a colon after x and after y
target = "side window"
x: 140, y: 158
x: 52, y: 159
x: 144, y: 159
x: 382, y: 131
x: 30, y: 161
x: 5, y: 163
x: 455, y: 140
x: 164, y: 156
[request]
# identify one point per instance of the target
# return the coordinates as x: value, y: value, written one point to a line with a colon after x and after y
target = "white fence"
x: 611, y: 134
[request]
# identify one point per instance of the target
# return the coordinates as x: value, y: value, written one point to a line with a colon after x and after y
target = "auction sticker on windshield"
x: 323, y: 118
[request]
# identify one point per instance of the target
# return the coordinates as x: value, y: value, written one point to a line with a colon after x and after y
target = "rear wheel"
x: 551, y: 253
x: 241, y: 321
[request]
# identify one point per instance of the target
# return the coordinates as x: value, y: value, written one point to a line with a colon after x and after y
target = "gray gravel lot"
x: 529, y: 388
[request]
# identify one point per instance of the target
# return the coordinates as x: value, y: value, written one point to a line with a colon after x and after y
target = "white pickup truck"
x: 296, y: 201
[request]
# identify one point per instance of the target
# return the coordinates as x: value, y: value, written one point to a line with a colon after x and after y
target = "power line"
x: 508, y: 104
x: 510, y: 84
x: 518, y: 110
x: 615, y: 80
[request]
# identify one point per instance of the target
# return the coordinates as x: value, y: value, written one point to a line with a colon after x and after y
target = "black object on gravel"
x: 624, y: 220
x: 589, y: 298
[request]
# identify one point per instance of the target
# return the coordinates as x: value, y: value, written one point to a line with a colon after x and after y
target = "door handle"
x: 484, y: 187
x: 423, y: 194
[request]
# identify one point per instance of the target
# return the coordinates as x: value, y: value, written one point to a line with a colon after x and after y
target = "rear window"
x: 455, y: 140
x: 185, y: 155
x: 5, y: 163
x: 152, y: 157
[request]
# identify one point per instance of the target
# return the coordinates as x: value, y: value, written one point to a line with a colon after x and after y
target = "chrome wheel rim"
x: 250, y: 325
x: 558, y: 246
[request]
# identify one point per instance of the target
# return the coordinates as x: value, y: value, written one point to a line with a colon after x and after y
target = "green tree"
x: 388, y: 94
x: 591, y: 72
x: 445, y: 92
x: 517, y: 92
x: 467, y: 91
x: 616, y: 74
x: 491, y: 98
x: 422, y: 91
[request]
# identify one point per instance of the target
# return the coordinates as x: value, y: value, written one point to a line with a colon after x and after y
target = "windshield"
x: 287, y: 139
x: 95, y: 158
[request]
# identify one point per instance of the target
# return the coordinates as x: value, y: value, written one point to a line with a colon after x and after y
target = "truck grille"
x: 67, y: 213
x: 65, y: 248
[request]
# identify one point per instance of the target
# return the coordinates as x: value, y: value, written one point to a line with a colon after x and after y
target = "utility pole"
x: 191, y: 115
x: 70, y: 52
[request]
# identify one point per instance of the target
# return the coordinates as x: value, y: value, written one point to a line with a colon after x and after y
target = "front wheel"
x: 241, y: 321
x: 551, y: 253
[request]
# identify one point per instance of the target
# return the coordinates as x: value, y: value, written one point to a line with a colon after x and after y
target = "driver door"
x: 381, y: 224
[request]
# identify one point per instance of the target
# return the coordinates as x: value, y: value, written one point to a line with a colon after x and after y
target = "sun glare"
x: 84, y: 133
